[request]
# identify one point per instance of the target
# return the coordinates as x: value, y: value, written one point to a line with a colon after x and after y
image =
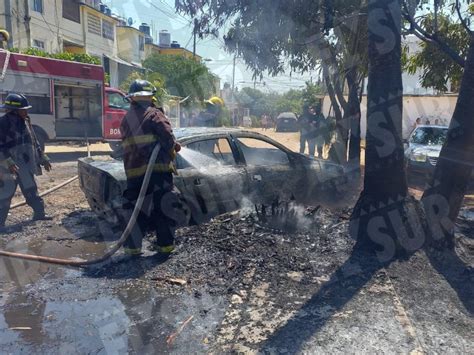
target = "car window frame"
x: 235, y: 153
x: 289, y: 153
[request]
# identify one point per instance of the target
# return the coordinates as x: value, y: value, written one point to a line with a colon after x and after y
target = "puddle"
x: 79, y: 315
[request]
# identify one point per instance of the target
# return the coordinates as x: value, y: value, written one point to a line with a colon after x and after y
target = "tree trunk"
x: 444, y: 197
x: 353, y: 116
x: 338, y: 151
x: 332, y: 94
x: 381, y: 210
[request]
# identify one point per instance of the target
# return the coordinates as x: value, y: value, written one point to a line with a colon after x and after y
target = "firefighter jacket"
x: 18, y: 144
x: 142, y: 128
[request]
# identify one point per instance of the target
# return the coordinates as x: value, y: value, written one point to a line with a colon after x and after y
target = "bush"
x: 71, y: 57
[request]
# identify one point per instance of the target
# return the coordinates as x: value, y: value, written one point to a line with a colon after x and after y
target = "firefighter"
x: 4, y: 37
x: 21, y: 159
x: 142, y: 128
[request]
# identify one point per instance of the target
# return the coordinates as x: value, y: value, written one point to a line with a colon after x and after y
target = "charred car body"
x: 220, y: 170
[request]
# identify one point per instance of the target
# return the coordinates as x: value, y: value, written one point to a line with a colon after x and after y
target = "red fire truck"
x: 70, y: 100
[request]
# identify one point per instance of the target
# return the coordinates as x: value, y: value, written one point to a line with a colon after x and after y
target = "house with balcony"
x: 70, y: 26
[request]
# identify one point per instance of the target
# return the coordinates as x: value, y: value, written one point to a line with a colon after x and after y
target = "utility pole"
x: 233, y: 75
x: 194, y: 35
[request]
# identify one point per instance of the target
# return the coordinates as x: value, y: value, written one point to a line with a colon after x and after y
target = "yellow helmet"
x: 215, y: 100
x: 5, y: 34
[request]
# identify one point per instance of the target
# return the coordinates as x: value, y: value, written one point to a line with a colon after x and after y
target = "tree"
x: 438, y: 68
x: 273, y: 103
x: 302, y: 35
x: 385, y: 191
x: 183, y: 76
x: 444, y: 196
x: 153, y: 78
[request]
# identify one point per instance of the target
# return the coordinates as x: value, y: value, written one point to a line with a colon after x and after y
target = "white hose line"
x: 47, y: 192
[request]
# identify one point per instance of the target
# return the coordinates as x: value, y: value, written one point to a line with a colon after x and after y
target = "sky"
x: 160, y: 14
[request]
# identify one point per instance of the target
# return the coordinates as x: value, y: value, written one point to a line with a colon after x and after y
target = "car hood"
x: 428, y: 150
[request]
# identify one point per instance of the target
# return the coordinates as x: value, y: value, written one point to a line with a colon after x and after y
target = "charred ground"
x: 236, y: 284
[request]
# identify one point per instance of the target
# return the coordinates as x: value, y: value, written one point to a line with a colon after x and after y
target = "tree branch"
x: 433, y: 38
x: 461, y: 18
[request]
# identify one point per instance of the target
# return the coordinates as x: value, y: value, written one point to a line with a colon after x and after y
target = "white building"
x: 418, y: 102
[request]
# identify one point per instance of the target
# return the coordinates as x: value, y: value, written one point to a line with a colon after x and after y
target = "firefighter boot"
x: 40, y: 215
x: 3, y: 228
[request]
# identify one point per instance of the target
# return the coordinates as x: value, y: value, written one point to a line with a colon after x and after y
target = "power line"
x: 173, y: 10
x: 171, y: 16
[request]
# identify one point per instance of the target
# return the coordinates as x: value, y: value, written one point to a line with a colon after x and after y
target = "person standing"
x: 304, y: 123
x: 142, y: 128
x: 309, y: 126
x: 264, y: 121
x: 318, y: 125
x: 21, y: 159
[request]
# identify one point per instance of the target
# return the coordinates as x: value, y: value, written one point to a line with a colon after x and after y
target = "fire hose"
x: 120, y: 242
x: 60, y: 186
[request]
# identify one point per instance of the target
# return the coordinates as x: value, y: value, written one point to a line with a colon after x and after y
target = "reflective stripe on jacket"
x: 142, y: 128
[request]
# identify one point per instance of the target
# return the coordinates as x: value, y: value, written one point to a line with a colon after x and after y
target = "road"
x: 233, y: 286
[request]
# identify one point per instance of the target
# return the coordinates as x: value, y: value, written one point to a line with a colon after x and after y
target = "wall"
x: 48, y: 27
x: 95, y: 43
x: 129, y: 44
x: 426, y: 107
x: 151, y: 49
x: 179, y: 51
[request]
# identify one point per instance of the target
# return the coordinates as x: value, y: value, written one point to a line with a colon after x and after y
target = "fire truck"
x: 70, y: 100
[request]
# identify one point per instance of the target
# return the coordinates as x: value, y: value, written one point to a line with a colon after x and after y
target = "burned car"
x: 220, y: 170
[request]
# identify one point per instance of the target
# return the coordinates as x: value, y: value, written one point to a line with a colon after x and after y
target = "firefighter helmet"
x: 216, y: 101
x: 5, y: 34
x: 141, y: 88
x: 16, y: 101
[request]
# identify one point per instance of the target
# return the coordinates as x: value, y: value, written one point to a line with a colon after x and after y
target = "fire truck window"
x: 41, y: 105
x: 116, y: 101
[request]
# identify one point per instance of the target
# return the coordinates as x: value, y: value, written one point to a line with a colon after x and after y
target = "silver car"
x: 220, y: 170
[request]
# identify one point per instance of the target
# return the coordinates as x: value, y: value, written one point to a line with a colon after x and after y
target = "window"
x: 38, y: 5
x: 141, y: 43
x: 429, y: 136
x: 93, y: 24
x: 260, y: 153
x: 116, y: 101
x: 107, y: 30
x: 211, y: 152
x: 38, y: 44
x: 71, y: 10
x: 40, y: 105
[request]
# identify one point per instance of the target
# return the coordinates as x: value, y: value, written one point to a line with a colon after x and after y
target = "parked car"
x: 422, y: 152
x: 287, y: 122
x: 220, y: 170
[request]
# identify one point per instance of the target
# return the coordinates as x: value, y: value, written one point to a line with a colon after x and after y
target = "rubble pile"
x: 234, y: 251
